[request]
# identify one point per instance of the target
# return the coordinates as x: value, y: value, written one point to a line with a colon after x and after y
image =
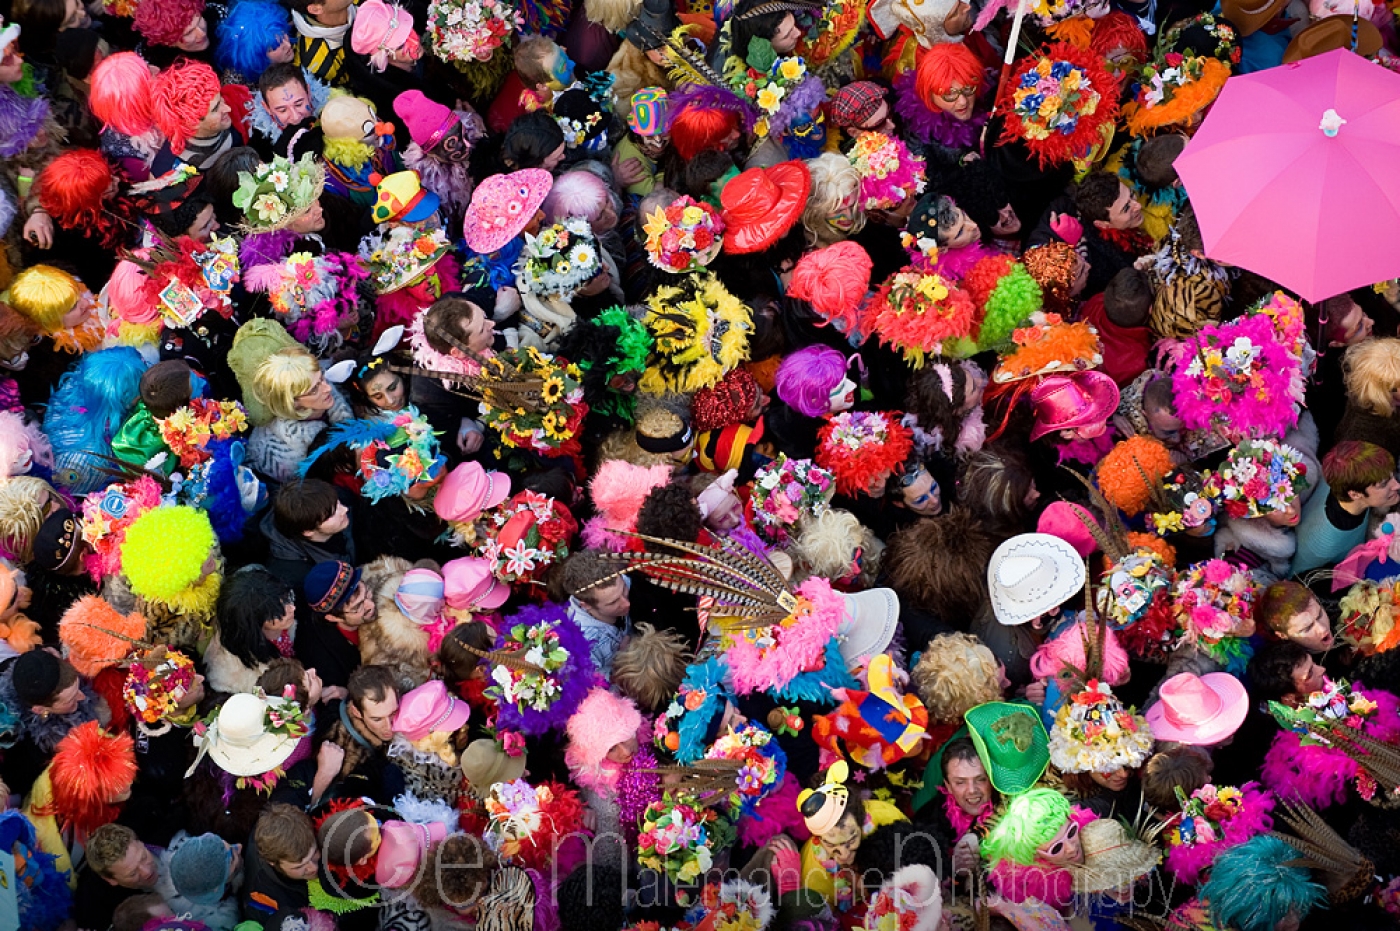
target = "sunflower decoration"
x: 701, y: 332
x: 921, y: 313
x: 545, y: 414
x: 1061, y: 97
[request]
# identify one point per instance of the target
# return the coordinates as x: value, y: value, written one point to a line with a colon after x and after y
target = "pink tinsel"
x: 637, y: 789
x: 1188, y: 861
x: 799, y: 646
x: 776, y: 814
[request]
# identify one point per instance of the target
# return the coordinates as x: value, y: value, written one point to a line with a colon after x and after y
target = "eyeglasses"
x: 1058, y: 847
x: 956, y: 93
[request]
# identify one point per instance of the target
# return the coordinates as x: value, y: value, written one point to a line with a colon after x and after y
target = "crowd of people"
x: 661, y: 465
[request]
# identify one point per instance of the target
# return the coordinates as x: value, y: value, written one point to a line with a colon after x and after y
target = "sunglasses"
x: 1058, y: 847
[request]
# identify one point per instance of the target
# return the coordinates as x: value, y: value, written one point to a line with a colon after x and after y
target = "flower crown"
x: 525, y: 822
x: 418, y: 458
x: 560, y: 259
x: 189, y: 430
x: 1260, y: 477
x: 683, y: 236
x: 762, y: 765
x: 1213, y: 819
x: 785, y: 491
x: 576, y: 131
x: 316, y: 294
x: 275, y: 193
x: 922, y: 313
x: 466, y: 31
x: 154, y: 692
x: 398, y: 255
x: 1190, y: 499
x: 889, y: 172
x: 549, y: 525
x: 534, y: 687
x: 679, y: 837
x: 1061, y: 98
x: 1094, y: 733
x: 1212, y: 598
x: 858, y: 445
x: 1240, y: 379
x: 549, y: 428
x: 1227, y: 39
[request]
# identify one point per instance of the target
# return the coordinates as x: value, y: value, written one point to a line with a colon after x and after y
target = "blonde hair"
x: 834, y: 179
x: 632, y: 70
x: 1371, y: 370
x: 649, y: 667
x: 43, y: 294
x: 22, y: 513
x: 530, y: 56
x: 825, y: 544
x: 956, y: 672
x: 283, y: 377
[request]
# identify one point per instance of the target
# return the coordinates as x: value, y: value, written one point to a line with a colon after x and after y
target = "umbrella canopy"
x: 1292, y: 174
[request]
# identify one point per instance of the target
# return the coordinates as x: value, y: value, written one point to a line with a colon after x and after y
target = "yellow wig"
x: 282, y: 378
x: 43, y: 294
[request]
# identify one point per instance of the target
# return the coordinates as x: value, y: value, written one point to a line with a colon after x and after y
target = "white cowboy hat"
x: 1031, y: 574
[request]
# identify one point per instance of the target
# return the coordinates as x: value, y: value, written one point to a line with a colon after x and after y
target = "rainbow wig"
x: 90, y: 768
x: 1252, y: 887
x: 43, y: 294
x: 251, y: 29
x: 73, y: 186
x: 1031, y: 819
x: 807, y: 377
x: 121, y: 95
x: 165, y: 22
x: 164, y: 552
x: 944, y: 67
x: 834, y: 280
x: 181, y: 95
x: 89, y: 406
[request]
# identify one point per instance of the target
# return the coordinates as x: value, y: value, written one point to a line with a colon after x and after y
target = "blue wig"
x: 1252, y: 887
x: 40, y: 888
x: 90, y: 404
x: 251, y: 30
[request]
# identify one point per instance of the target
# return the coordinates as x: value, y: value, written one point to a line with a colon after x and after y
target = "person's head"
x: 292, y: 386
x: 942, y: 393
x: 121, y: 93
x: 457, y: 873
x: 534, y: 140
x: 862, y: 105
x: 74, y: 187
x: 135, y: 913
x: 459, y: 655
x: 998, y: 484
x: 285, y: 676
x: 833, y: 210
x: 813, y: 382
x: 323, y: 10
x: 1128, y: 298
x: 1185, y: 768
x: 166, y: 387
x: 48, y: 296
x: 755, y: 19
x: 1036, y: 828
x: 285, y: 94
x: 938, y: 217
x: 193, y: 217
x: 1106, y: 202
x: 285, y: 838
x: 1285, y: 672
x: 1361, y: 474
x: 649, y: 666
x: 1159, y: 409
x: 697, y: 128
x: 948, y: 79
x: 252, y: 36
x: 187, y: 103
x: 177, y: 23
x: 1340, y: 321
x: 46, y: 684
x: 309, y: 509
x: 952, y: 584
x: 1371, y: 371
x: 115, y: 853
x: 964, y: 777
x: 1156, y: 159
x: 453, y: 321
x: 844, y: 838
x: 1290, y: 611
x: 582, y: 577
x: 670, y: 511
x: 41, y: 20
x: 541, y: 63
x: 581, y: 193
x: 254, y: 608
x: 349, y: 837
x: 956, y: 672
x: 373, y: 701
x: 375, y: 385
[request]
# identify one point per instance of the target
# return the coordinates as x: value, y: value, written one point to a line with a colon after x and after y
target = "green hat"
x: 1012, y: 743
x: 933, y: 773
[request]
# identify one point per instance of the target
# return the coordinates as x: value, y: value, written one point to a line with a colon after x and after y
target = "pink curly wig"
x: 944, y: 67
x: 121, y: 94
x: 163, y: 22
x: 618, y: 489
x: 181, y: 95
x: 834, y: 281
x: 807, y: 377
x: 1066, y: 651
x: 73, y: 186
x: 603, y: 720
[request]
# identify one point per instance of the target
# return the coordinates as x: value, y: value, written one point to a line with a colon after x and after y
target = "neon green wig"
x: 165, y: 550
x: 1031, y: 819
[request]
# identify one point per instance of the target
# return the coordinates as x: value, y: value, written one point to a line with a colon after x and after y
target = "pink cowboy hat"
x: 1198, y: 709
x: 1065, y: 402
x: 430, y: 709
x: 468, y: 490
x: 502, y: 206
x: 472, y: 587
x: 402, y: 847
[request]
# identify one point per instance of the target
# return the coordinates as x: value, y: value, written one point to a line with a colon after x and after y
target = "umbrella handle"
x: 1010, y: 52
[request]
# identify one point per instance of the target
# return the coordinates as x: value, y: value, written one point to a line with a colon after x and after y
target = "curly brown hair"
x: 458, y: 873
x: 939, y: 565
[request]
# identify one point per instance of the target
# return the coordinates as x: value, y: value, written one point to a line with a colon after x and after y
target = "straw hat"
x: 1113, y: 858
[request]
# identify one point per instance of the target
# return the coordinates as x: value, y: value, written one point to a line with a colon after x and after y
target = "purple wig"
x: 573, y: 679
x: 807, y: 377
x: 801, y: 100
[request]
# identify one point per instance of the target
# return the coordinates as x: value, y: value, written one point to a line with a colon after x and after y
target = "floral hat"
x: 1212, y: 820
x: 560, y: 260
x: 526, y: 535
x: 502, y: 206
x: 1188, y: 500
x: 761, y: 764
x: 1371, y: 617
x: 689, y: 721
x: 778, y: 658
x: 315, y: 295
x: 155, y: 685
x: 1240, y: 379
x: 1049, y: 345
x: 734, y: 905
x: 1131, y: 584
x: 396, y: 450
x: 1182, y: 80
x: 856, y: 446
x: 889, y: 172
x: 190, y: 430
x: 1094, y: 733
x: 1260, y: 477
x: 1214, y: 598
x: 250, y: 737
x: 527, y: 823
x: 471, y: 30
x: 400, y: 255
x: 701, y: 332
x: 275, y: 193
x: 679, y: 837
x: 541, y: 670
x: 1062, y: 97
x: 106, y: 517
x: 922, y: 313
x: 683, y: 236
x: 550, y: 425
x: 782, y: 91
x: 785, y: 491
x: 1326, y: 726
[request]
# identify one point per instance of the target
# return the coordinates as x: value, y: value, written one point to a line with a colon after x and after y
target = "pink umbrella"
x: 1292, y: 174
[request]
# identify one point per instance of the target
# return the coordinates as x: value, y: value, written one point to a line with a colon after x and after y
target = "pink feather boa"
x: 1188, y: 862
x: 618, y: 489
x: 776, y: 814
x: 799, y: 648
x: 1319, y: 775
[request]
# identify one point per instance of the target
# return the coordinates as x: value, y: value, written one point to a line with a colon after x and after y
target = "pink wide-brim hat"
x: 468, y: 490
x: 1200, y: 710
x: 471, y: 586
x: 1065, y: 402
x: 402, y: 847
x: 502, y: 206
x: 430, y: 709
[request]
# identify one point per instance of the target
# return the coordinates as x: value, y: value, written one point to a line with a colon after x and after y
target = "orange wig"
x: 73, y: 186
x: 944, y: 67
x: 90, y: 771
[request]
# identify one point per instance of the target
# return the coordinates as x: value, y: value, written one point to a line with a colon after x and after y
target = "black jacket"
x: 321, y: 646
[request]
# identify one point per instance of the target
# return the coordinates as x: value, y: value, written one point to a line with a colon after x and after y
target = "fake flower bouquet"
x: 889, y: 172
x: 683, y: 236
x: 532, y: 688
x: 540, y: 670
x: 416, y: 459
x: 275, y: 193
x: 1060, y: 99
x: 1094, y: 733
x: 397, y: 256
x: 859, y: 446
x: 549, y: 427
x: 1240, y: 380
x: 679, y: 837
x: 763, y: 765
x: 190, y: 429
x: 560, y: 259
x: 785, y: 491
x: 919, y: 311
x: 526, y: 823
x: 154, y: 693
x: 1214, y: 819
x: 1260, y: 477
x: 769, y: 89
x: 472, y: 30
x: 526, y: 535
x: 1214, y: 600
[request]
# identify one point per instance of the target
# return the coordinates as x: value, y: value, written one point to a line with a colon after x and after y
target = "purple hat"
x: 470, y: 585
x: 430, y: 709
x: 502, y: 206
x: 427, y: 120
x: 468, y: 490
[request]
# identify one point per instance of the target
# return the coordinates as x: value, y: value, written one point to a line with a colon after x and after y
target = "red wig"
x: 73, y: 186
x: 163, y: 22
x: 121, y: 94
x: 1118, y: 31
x: 699, y: 129
x: 181, y: 96
x: 944, y: 67
x: 90, y: 769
